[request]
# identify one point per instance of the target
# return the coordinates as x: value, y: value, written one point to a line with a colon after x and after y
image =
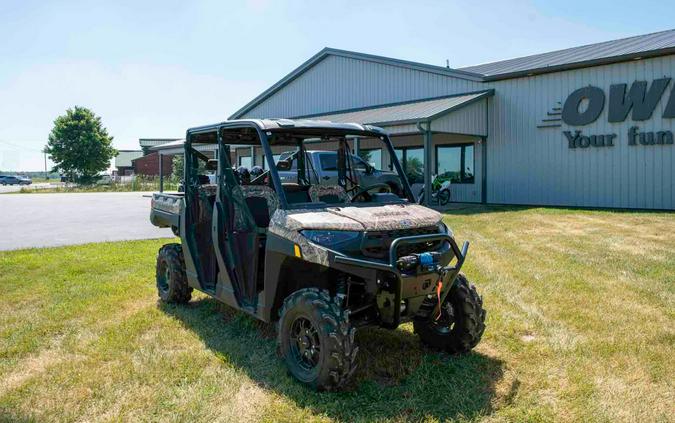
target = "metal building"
x: 589, y: 126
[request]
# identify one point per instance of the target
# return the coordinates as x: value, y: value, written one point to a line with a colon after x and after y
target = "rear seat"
x: 262, y: 201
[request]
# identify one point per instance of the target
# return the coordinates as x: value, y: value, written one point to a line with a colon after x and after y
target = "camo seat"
x: 330, y: 194
x: 208, y: 189
x: 262, y: 201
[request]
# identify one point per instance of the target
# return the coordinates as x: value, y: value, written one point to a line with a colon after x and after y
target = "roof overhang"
x: 178, y: 147
x: 405, y: 113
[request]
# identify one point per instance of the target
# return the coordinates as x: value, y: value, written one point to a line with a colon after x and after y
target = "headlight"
x: 443, y: 228
x: 331, y: 239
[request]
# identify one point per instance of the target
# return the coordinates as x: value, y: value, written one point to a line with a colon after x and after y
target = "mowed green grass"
x: 580, y: 327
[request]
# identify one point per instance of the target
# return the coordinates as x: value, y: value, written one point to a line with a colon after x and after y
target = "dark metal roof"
x: 641, y: 46
x: 406, y: 112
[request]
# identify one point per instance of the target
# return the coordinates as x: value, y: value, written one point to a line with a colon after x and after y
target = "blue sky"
x: 155, y: 68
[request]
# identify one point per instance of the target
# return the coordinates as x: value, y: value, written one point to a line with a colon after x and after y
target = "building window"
x: 456, y: 163
x: 245, y: 161
x: 412, y: 160
x: 373, y: 157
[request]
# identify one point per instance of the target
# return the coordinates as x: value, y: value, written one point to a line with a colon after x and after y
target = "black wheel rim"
x: 163, y: 277
x: 305, y: 343
x: 446, y: 322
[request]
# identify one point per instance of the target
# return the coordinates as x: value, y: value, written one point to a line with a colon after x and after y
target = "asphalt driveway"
x: 48, y: 220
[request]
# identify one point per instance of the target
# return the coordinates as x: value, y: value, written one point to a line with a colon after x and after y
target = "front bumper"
x: 400, y: 294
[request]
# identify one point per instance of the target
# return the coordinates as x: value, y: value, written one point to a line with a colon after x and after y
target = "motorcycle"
x: 440, y: 191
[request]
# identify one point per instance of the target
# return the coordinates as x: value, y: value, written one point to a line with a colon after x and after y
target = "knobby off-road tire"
x: 172, y: 284
x: 311, y: 318
x: 443, y: 197
x: 461, y: 333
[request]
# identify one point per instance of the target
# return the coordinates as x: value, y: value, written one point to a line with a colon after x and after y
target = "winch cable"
x: 439, y: 288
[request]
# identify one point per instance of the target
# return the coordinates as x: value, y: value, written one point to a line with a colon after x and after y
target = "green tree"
x: 79, y: 145
x: 177, y: 162
x: 414, y: 169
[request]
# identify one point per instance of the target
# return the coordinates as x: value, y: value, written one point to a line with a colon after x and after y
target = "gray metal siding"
x: 340, y: 83
x: 530, y: 165
x: 468, y: 120
x: 525, y: 164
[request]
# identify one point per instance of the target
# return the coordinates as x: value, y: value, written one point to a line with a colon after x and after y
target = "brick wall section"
x: 149, y: 165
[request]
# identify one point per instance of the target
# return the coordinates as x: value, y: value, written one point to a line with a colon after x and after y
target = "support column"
x: 161, y: 171
x: 252, y: 157
x: 483, y: 170
x: 357, y: 146
x: 427, y: 165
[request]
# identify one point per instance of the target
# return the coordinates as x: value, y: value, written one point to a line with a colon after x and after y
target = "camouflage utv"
x: 320, y: 260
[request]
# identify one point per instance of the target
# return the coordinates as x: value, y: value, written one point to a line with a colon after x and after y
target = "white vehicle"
x: 104, y: 179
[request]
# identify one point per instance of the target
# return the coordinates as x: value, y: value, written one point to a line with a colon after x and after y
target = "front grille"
x: 376, y: 244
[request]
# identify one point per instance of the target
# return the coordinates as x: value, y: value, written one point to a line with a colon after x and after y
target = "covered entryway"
x: 437, y: 136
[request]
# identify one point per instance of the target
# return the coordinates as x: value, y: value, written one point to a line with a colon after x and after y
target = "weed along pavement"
x: 47, y: 220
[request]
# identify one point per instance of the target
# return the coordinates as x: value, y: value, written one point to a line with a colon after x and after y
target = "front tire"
x: 444, y: 197
x: 462, y: 320
x: 316, y: 340
x: 172, y: 284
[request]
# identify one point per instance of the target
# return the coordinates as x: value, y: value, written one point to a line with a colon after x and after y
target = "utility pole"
x: 45, y: 153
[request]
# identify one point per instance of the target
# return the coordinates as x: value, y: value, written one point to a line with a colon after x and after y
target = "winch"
x: 425, y: 262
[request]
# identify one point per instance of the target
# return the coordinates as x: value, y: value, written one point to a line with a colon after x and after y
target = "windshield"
x: 337, y: 169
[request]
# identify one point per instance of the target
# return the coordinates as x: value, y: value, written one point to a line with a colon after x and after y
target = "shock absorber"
x: 341, y: 287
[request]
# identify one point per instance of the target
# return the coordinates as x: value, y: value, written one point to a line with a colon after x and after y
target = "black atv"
x: 320, y: 260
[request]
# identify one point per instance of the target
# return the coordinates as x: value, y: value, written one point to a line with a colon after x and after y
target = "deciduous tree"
x: 79, y: 145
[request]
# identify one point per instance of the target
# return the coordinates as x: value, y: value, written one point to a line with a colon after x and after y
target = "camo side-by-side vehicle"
x: 321, y: 260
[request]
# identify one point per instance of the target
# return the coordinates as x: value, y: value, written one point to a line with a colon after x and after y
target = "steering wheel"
x: 363, y: 191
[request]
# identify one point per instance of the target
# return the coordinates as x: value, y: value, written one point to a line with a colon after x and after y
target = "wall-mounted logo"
x: 585, y: 105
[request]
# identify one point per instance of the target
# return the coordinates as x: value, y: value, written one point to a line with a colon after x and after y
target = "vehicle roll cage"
x: 264, y: 133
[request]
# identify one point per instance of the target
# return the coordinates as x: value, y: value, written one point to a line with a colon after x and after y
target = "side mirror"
x: 284, y: 165
x: 212, y: 164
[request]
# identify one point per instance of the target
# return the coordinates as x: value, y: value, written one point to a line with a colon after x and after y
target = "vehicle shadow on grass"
x: 396, y: 377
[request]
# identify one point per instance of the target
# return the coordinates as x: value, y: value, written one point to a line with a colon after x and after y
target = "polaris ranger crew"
x: 319, y: 260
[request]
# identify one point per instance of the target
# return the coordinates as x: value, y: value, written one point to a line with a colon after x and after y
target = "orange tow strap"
x: 439, y: 287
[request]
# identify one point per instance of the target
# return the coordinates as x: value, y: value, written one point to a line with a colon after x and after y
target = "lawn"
x: 580, y: 327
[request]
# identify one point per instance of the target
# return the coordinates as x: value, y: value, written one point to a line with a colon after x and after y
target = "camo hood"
x: 350, y: 218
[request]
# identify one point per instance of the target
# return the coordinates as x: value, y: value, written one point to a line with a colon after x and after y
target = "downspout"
x: 483, y: 191
x: 427, y: 160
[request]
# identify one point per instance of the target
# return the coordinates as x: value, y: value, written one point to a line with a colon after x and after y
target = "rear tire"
x: 316, y: 340
x: 172, y: 284
x: 462, y: 322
